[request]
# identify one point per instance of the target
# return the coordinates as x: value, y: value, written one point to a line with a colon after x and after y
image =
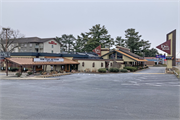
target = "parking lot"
x: 148, y: 94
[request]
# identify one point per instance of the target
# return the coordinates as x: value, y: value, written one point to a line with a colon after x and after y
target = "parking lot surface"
x: 143, y: 95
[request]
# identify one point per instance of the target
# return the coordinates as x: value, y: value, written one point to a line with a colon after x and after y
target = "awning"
x: 29, y: 61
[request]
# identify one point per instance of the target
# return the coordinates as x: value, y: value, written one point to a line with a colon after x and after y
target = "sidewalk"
x: 12, y: 76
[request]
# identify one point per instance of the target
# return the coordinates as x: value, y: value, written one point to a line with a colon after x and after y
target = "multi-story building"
x: 35, y: 44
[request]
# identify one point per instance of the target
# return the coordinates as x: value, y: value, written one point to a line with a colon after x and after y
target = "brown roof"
x: 132, y: 57
x: 150, y: 57
x: 29, y: 61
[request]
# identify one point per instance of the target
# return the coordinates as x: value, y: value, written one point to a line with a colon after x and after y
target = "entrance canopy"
x: 30, y: 61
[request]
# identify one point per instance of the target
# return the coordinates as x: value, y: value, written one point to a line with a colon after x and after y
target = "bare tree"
x: 12, y: 35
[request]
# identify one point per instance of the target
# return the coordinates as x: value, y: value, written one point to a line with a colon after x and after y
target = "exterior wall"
x: 48, y: 47
x: 106, y: 57
x: 88, y: 64
x: 24, y: 56
x: 169, y: 63
x: 126, y: 59
x: 104, y: 52
x: 70, y: 58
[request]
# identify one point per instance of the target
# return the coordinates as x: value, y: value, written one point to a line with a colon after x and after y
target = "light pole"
x: 6, y: 29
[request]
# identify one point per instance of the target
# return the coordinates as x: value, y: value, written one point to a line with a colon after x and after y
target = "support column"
x: 33, y: 69
x: 6, y: 67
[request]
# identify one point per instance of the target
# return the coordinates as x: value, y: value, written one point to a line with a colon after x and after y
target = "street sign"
x: 5, y: 54
x: 169, y: 58
x: 160, y: 56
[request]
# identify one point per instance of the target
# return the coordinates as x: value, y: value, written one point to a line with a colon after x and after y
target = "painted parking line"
x: 148, y: 73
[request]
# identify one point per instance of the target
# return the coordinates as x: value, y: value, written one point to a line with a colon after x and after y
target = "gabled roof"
x: 127, y: 54
x: 132, y: 57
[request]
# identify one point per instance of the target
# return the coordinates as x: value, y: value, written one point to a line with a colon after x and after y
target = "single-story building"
x: 118, y: 57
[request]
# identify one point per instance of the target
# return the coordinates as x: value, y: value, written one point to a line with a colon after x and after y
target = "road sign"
x: 169, y: 58
x: 166, y: 47
x: 160, y: 56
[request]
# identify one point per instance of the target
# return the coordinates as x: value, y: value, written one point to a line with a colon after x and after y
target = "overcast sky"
x: 153, y: 19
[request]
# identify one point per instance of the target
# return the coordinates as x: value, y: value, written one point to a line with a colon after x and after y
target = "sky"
x: 153, y: 19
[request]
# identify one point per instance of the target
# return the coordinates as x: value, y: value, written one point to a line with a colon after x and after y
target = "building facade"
x: 35, y: 44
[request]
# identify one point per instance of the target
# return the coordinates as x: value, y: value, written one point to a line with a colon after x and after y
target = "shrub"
x: 30, y: 73
x: 25, y: 69
x: 2, y: 68
x: 132, y: 69
x: 18, y: 74
x: 114, y: 69
x: 124, y: 70
x: 102, y: 70
x: 14, y: 69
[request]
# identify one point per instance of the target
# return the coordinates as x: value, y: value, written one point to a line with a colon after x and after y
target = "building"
x: 177, y: 61
x: 35, y: 44
x: 91, y: 62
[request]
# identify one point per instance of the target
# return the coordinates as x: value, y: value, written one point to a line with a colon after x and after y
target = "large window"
x: 112, y: 56
x: 119, y: 55
x: 52, y: 51
x: 52, y: 46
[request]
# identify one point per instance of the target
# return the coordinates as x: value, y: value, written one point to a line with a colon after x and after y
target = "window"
x: 52, y: 46
x: 119, y: 55
x: 30, y: 45
x: 83, y: 64
x: 52, y: 51
x: 21, y: 45
x: 111, y: 64
x: 101, y: 64
x: 112, y: 56
x: 25, y: 45
x: 93, y: 65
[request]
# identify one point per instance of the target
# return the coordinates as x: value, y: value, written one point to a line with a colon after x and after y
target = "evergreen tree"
x: 134, y: 42
x: 80, y: 42
x: 67, y: 42
x: 98, y: 35
x: 119, y: 41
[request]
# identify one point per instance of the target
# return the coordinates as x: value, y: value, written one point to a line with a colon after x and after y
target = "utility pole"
x: 6, y: 29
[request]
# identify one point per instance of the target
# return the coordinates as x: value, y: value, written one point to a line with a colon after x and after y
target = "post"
x: 6, y: 50
x: 143, y: 55
x: 6, y: 67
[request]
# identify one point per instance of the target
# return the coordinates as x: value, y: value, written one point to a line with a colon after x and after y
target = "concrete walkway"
x: 12, y: 76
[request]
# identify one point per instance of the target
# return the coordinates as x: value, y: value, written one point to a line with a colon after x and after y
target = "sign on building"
x: 48, y: 60
x: 160, y: 56
x: 97, y: 50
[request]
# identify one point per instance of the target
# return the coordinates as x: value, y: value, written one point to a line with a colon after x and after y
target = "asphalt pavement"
x: 143, y: 95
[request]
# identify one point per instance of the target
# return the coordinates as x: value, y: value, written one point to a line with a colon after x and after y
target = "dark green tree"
x: 119, y: 41
x: 151, y: 52
x: 67, y: 42
x: 98, y: 35
x: 134, y: 42
x: 80, y: 42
